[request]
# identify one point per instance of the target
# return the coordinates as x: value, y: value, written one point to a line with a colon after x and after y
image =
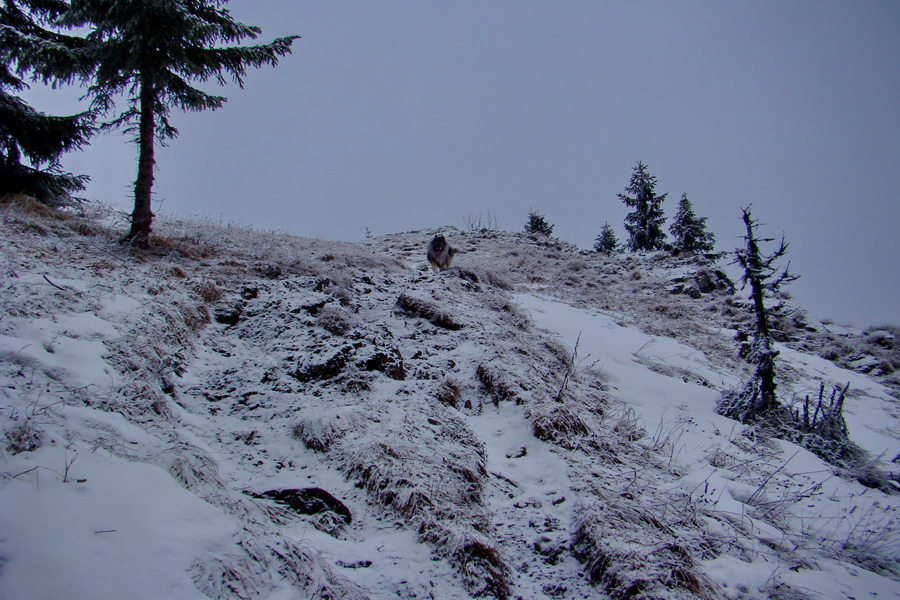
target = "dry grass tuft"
x: 560, y: 426
x: 429, y: 311
x: 335, y: 320
x: 632, y: 556
x: 319, y: 431
x: 184, y: 246
x: 499, y: 385
x: 483, y: 570
x: 26, y: 205
x: 24, y: 438
x: 208, y: 291
x: 384, y: 471
x: 448, y: 394
x: 481, y: 566
x: 32, y: 216
x: 225, y: 578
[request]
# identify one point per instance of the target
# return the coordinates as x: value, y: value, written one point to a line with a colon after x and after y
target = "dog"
x: 440, y: 254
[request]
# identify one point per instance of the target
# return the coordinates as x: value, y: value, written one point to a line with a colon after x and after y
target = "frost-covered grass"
x: 537, y: 422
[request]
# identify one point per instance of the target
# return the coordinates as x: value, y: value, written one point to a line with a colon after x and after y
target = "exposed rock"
x: 271, y: 271
x: 712, y: 281
x: 308, y: 501
x: 391, y: 364
x: 330, y: 369
x: 229, y: 313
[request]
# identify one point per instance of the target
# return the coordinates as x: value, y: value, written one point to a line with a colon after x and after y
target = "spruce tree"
x: 757, y: 399
x: 538, y: 224
x: 606, y: 242
x: 31, y: 142
x: 152, y: 51
x: 644, y: 224
x: 689, y: 230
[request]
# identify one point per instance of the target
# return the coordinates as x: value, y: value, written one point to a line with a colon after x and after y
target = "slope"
x: 243, y: 414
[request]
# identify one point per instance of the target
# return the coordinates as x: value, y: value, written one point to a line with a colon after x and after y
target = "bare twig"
x: 569, y: 368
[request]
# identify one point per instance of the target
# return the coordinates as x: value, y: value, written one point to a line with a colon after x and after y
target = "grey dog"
x: 440, y: 254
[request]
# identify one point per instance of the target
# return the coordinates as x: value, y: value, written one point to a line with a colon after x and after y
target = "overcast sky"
x: 402, y: 115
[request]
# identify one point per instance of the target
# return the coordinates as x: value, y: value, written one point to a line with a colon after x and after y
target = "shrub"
x: 538, y: 224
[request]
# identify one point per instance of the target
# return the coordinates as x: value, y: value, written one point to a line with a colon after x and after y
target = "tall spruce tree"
x: 31, y: 142
x: 152, y: 51
x: 606, y: 242
x: 757, y: 400
x: 689, y: 230
x: 645, y: 223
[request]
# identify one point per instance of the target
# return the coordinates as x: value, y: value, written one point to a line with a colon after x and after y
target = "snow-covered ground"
x: 535, y: 423
x: 814, y: 506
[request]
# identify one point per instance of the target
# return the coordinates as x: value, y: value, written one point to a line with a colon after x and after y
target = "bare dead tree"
x: 757, y: 398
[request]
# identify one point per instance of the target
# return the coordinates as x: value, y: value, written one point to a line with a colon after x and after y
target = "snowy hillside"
x: 242, y: 414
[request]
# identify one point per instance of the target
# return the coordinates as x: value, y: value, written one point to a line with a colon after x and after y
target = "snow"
x: 535, y: 491
x: 111, y: 525
x: 662, y: 400
x: 617, y: 352
x: 135, y: 431
x: 69, y: 345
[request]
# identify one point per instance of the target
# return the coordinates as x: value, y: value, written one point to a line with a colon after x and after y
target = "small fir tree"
x: 606, y: 242
x: 152, y: 51
x: 31, y: 142
x: 689, y: 230
x: 645, y: 223
x: 757, y: 400
x: 819, y: 427
x: 538, y: 224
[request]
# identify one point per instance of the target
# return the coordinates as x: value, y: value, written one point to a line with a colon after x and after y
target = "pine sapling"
x: 537, y: 223
x: 606, y: 242
x: 689, y: 230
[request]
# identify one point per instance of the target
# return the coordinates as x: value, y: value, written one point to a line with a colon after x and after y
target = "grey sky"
x: 402, y: 115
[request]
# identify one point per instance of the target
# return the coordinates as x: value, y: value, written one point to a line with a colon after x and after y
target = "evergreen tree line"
x: 145, y: 55
x: 645, y: 223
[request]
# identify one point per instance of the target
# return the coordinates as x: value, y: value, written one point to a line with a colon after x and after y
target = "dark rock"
x: 229, y: 313
x: 704, y: 282
x: 360, y: 564
x: 313, y: 308
x: 308, y: 501
x: 467, y: 275
x: 330, y: 369
x: 713, y: 281
x: 271, y: 271
x: 390, y: 365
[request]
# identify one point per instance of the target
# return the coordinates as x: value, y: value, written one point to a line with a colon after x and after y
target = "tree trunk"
x: 142, y: 217
x: 762, y: 344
